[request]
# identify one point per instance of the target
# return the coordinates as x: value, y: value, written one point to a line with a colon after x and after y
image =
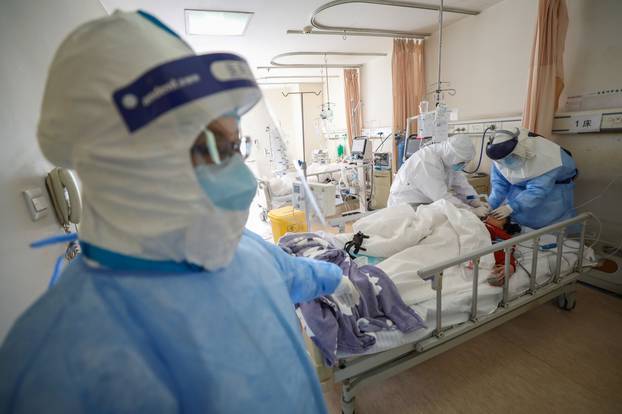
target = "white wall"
x: 30, y: 31
x: 376, y: 93
x: 486, y: 59
x: 287, y: 116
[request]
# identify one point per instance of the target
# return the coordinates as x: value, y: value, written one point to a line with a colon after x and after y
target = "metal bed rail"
x: 356, y: 372
x: 435, y: 272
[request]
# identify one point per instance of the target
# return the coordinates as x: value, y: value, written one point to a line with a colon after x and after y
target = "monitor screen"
x: 358, y: 146
x: 412, y: 146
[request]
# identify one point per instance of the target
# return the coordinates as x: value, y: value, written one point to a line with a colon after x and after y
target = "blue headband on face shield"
x: 172, y: 84
x: 498, y: 150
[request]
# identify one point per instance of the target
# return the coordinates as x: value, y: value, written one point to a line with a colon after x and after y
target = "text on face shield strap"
x: 176, y: 83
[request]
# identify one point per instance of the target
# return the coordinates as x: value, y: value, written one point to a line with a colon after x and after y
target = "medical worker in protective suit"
x: 172, y: 306
x: 434, y: 173
x: 532, y: 179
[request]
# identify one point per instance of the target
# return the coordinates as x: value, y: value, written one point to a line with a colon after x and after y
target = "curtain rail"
x: 345, y: 30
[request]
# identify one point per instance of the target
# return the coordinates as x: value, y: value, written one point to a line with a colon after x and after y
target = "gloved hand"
x: 346, y: 293
x: 481, y: 211
x: 502, y: 212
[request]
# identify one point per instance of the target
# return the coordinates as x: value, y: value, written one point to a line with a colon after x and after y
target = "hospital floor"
x: 545, y: 361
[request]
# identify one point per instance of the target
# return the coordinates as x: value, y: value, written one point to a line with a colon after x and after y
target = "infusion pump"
x: 325, y: 195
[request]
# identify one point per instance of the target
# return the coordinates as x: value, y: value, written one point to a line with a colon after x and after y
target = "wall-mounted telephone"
x: 65, y: 196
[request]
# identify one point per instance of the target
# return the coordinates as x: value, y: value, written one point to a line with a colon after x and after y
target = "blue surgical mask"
x: 512, y: 162
x: 458, y: 167
x: 230, y: 185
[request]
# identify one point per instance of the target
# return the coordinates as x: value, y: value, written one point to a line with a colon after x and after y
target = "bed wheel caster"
x: 567, y: 301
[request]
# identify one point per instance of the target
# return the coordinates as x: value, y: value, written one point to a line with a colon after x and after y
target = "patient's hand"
x: 497, y: 276
x: 493, y: 221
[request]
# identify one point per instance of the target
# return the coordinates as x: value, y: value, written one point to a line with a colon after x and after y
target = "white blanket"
x: 452, y: 232
x: 392, y: 230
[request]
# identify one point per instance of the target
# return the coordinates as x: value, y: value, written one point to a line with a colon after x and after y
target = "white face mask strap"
x: 212, y: 148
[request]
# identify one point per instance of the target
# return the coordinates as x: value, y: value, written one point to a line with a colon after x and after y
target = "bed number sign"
x: 585, y: 123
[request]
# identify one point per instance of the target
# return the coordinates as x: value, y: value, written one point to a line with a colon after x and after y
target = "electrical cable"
x: 481, y: 150
x: 383, y: 141
x: 613, y: 253
x: 602, y: 193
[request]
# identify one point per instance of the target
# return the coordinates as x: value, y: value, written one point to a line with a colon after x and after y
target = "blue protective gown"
x: 539, y: 201
x: 180, y: 340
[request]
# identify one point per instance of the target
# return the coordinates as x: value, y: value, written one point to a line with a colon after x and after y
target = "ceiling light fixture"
x: 216, y: 22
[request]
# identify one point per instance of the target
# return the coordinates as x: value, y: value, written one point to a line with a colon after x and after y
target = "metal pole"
x: 506, y: 275
x: 560, y: 250
x: 438, y: 286
x: 534, y: 265
x: 440, y: 49
x: 345, y: 30
x: 347, y: 398
x: 581, y: 248
x: 360, y: 34
x: 302, y: 116
x: 475, y: 283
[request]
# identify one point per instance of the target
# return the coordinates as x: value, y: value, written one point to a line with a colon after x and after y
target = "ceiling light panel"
x: 216, y: 22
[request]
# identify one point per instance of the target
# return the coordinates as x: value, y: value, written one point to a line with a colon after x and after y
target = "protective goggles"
x: 499, y: 150
x: 221, y: 140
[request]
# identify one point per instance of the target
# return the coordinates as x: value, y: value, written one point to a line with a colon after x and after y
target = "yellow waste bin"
x: 286, y: 220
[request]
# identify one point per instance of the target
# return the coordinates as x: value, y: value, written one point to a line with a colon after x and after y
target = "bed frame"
x: 356, y: 372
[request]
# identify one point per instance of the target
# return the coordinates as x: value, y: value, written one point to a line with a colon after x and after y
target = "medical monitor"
x: 361, y: 148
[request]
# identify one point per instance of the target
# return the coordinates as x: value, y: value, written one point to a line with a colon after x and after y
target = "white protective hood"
x: 427, y: 176
x: 540, y: 155
x: 124, y: 101
x: 456, y: 149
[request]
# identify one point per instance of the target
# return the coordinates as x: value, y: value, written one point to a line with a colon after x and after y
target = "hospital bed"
x: 540, y: 285
x: 269, y: 199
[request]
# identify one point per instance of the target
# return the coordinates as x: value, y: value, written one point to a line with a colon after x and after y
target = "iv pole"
x: 304, y: 150
x: 302, y: 114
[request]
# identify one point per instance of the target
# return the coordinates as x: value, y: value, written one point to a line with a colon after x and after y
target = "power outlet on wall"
x: 612, y: 121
